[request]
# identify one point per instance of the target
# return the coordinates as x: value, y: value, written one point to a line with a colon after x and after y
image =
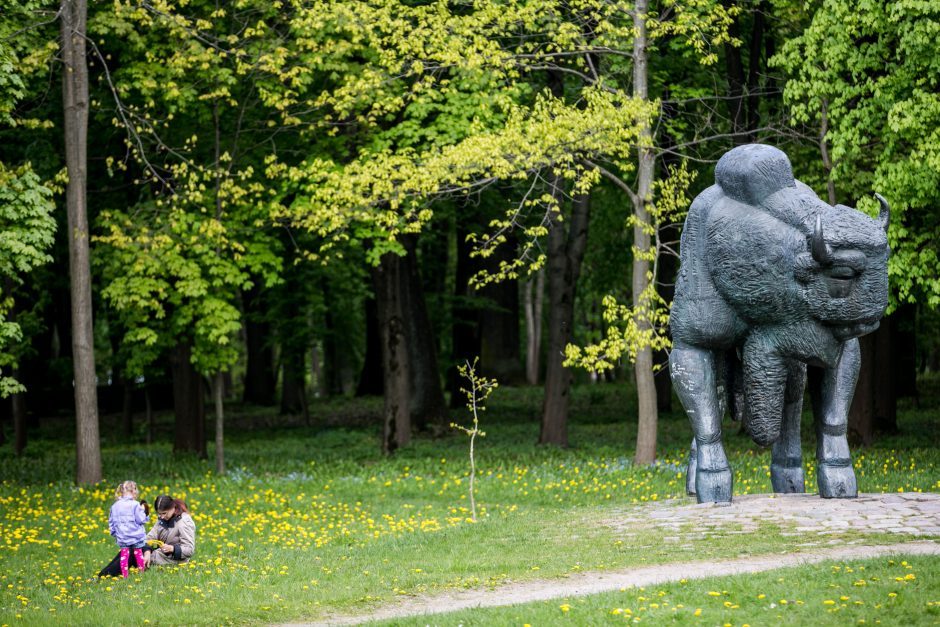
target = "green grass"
x: 313, y: 520
x: 885, y: 591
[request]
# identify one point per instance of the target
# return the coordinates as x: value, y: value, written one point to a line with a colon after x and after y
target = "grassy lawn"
x: 884, y: 591
x: 312, y: 520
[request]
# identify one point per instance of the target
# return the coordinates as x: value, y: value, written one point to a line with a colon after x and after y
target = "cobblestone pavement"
x: 911, y: 513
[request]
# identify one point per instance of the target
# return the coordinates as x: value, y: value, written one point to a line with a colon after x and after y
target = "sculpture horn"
x: 884, y: 216
x: 818, y: 245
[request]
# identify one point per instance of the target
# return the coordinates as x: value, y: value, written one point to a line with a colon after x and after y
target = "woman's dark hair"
x: 164, y: 502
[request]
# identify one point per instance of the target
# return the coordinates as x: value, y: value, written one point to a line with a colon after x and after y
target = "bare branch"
x: 616, y: 180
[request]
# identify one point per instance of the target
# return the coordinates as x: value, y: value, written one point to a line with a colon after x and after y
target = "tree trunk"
x: 332, y: 365
x: 643, y: 369
x: 905, y: 353
x: 427, y: 401
x: 465, y: 337
x: 874, y: 405
x: 73, y: 17
x: 862, y: 410
x: 294, y: 342
x: 188, y: 405
x: 565, y: 253
x: 735, y: 76
x: 396, y: 421
x: 127, y: 408
x: 370, y: 378
x: 667, y: 268
x: 148, y: 412
x: 534, y: 291
x: 294, y: 381
x: 260, y: 378
x: 754, y: 70
x: 316, y: 372
x: 824, y: 151
x: 218, y: 388
x: 499, y: 322
x: 18, y: 410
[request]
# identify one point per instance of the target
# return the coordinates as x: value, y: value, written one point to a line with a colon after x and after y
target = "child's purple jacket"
x: 126, y: 522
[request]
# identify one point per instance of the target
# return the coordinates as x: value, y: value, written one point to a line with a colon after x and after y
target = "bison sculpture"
x: 773, y: 279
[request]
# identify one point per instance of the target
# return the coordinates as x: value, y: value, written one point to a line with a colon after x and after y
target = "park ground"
x: 312, y: 525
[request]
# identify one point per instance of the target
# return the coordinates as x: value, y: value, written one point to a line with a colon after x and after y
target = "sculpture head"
x: 782, y: 255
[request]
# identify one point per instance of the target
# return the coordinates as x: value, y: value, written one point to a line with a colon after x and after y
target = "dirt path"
x: 807, y: 516
x: 592, y: 583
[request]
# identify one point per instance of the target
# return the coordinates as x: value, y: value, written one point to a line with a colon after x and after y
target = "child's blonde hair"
x: 126, y: 488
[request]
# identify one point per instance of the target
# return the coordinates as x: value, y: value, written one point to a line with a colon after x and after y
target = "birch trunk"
x: 645, y: 382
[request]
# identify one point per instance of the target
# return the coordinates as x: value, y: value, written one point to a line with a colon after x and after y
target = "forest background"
x: 264, y: 203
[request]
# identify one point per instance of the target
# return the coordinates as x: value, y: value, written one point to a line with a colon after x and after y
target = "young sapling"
x: 480, y: 389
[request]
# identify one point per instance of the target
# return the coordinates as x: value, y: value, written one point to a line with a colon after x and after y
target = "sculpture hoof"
x: 713, y: 486
x: 787, y: 480
x: 837, y: 481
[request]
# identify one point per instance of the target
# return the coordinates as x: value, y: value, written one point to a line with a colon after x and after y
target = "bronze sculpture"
x: 772, y: 279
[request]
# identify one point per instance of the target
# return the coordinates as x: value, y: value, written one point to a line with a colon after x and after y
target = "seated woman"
x: 175, y: 531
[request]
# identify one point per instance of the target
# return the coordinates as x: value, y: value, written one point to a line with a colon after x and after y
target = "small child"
x: 126, y: 523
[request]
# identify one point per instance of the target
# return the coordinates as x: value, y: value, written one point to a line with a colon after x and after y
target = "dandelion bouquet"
x: 154, y: 543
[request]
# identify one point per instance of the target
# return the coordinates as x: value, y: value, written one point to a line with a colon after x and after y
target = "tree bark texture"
x: 188, y: 404
x: 72, y: 20
x: 396, y: 421
x: 565, y: 253
x: 534, y: 291
x: 645, y: 384
x: 260, y: 377
x: 427, y: 397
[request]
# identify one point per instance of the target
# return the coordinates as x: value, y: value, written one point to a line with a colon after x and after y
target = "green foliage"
x: 11, y: 84
x: 631, y: 328
x: 186, y: 91
x: 179, y: 278
x: 551, y: 136
x: 27, y: 229
x: 872, y: 68
x: 450, y: 99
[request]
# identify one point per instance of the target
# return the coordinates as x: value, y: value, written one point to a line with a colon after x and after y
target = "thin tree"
x: 648, y: 412
x: 73, y: 19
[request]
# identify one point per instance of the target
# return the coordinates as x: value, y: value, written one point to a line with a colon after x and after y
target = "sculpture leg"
x: 786, y: 466
x: 765, y: 383
x: 832, y: 397
x: 690, y: 470
x: 694, y: 377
